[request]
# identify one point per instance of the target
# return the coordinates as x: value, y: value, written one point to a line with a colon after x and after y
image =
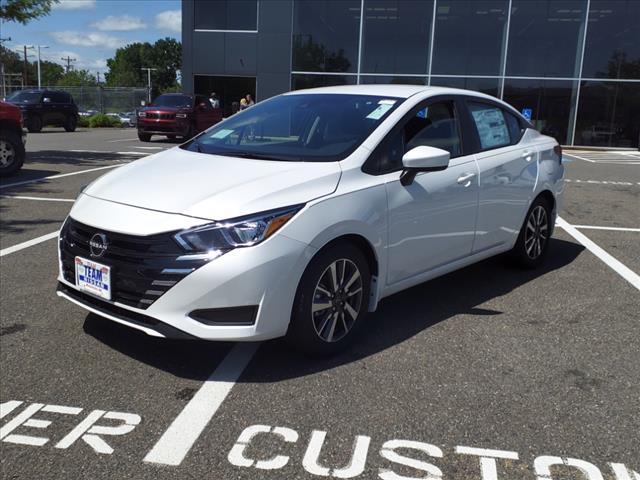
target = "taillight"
x: 558, y: 151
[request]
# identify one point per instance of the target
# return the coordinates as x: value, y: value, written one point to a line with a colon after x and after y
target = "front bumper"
x: 264, y: 277
x: 163, y: 127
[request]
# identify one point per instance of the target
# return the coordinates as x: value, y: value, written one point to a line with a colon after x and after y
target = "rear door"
x: 508, y: 173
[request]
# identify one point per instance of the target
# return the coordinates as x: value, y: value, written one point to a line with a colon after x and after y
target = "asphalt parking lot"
x: 488, y: 373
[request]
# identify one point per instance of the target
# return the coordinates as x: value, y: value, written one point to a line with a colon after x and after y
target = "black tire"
x: 533, y: 241
x: 144, y: 137
x: 71, y: 123
x: 330, y: 329
x: 34, y: 125
x: 11, y: 153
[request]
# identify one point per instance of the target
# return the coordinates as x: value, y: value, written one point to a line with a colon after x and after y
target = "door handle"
x: 527, y: 155
x: 465, y: 179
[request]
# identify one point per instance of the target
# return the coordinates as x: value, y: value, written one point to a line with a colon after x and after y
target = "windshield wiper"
x: 256, y: 156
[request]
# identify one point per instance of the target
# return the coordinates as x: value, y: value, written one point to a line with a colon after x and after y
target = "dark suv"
x: 177, y: 115
x: 46, y: 107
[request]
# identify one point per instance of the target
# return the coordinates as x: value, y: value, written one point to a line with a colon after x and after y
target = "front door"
x: 432, y: 220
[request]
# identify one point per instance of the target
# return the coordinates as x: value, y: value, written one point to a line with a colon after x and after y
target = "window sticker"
x: 383, y: 107
x: 491, y: 126
x: 222, y: 133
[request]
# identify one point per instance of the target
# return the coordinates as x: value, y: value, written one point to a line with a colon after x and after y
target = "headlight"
x: 142, y: 114
x: 216, y: 238
x: 181, y: 115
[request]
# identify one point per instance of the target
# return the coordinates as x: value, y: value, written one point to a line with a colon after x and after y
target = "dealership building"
x: 571, y: 66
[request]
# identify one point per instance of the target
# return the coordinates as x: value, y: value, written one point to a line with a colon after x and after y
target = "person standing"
x: 243, y: 103
x: 213, y: 99
x: 249, y: 100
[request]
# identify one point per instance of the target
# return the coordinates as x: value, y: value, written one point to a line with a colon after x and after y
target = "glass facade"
x: 573, y: 65
x: 226, y: 15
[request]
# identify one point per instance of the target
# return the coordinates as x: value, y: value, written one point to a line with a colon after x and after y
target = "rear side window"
x: 515, y: 129
x: 491, y: 125
x: 58, y: 97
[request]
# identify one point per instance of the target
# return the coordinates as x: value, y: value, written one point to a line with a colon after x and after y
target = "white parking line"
x: 122, y: 140
x: 621, y: 269
x: 150, y: 148
x: 131, y: 153
x: 28, y: 243
x: 39, y: 198
x: 614, y: 229
x: 178, y: 439
x: 52, y: 177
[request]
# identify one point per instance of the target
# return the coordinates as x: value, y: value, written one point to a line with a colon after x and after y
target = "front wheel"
x: 331, y: 301
x: 34, y: 125
x: 144, y: 137
x: 533, y: 240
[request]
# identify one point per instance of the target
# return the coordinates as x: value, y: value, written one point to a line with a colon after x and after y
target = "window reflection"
x: 325, y: 35
x: 609, y: 114
x: 613, y: 40
x: 300, y: 81
x: 226, y: 14
x: 549, y: 102
x: 387, y: 79
x: 490, y: 86
x: 396, y: 35
x: 468, y: 37
x: 544, y: 38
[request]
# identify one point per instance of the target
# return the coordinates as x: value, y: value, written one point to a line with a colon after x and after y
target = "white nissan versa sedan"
x: 298, y: 215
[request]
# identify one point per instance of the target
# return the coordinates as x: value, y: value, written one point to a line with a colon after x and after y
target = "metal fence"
x: 99, y: 99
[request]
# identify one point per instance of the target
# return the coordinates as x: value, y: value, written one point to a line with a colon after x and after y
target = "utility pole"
x: 148, y: 81
x: 68, y: 59
x: 38, y: 47
x: 98, y: 77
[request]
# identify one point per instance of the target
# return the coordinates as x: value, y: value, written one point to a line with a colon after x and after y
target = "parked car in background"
x: 46, y: 107
x: 298, y: 215
x: 12, y: 139
x: 87, y: 113
x: 176, y: 115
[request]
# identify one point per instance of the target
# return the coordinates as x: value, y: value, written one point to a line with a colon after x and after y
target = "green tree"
x: 50, y: 72
x: 165, y: 55
x: 24, y: 10
x: 77, y: 78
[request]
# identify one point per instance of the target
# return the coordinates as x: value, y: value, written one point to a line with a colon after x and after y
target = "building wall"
x: 573, y: 64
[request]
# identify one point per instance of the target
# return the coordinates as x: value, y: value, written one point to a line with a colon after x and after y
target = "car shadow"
x: 398, y: 318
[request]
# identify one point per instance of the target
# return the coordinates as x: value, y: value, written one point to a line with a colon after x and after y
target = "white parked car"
x: 297, y: 216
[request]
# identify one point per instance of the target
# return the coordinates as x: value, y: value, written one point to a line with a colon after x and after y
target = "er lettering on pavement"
x: 90, y: 430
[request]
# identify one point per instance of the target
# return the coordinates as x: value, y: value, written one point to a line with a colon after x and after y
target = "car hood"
x: 214, y: 187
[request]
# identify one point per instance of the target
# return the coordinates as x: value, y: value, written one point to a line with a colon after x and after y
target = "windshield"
x: 301, y: 127
x: 177, y: 101
x: 24, y: 97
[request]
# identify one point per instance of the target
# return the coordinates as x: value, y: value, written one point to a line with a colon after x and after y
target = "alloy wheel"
x: 7, y: 154
x: 536, y: 232
x: 337, y: 300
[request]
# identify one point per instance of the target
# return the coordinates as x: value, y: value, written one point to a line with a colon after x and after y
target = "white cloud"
x: 74, y: 4
x: 169, y: 20
x: 93, y: 39
x: 120, y: 23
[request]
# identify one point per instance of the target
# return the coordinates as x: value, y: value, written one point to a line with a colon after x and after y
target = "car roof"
x: 391, y: 90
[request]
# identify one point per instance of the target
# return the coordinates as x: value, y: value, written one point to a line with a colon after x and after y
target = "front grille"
x: 143, y: 268
x: 161, y: 116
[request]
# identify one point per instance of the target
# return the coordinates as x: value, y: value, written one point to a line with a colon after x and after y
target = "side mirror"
x: 423, y: 159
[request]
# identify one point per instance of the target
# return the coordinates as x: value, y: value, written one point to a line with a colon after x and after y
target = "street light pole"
x: 38, y: 47
x: 148, y: 81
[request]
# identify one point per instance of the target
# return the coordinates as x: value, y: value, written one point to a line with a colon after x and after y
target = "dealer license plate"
x: 93, y: 278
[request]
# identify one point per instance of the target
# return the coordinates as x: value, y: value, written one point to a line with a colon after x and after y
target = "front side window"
x: 491, y: 126
x: 226, y: 15
x: 305, y: 127
x: 435, y: 125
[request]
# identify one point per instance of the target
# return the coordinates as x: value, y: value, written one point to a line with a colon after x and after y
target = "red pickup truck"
x: 177, y: 115
x: 12, y: 139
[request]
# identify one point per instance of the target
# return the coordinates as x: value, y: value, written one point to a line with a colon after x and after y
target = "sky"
x: 91, y: 30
